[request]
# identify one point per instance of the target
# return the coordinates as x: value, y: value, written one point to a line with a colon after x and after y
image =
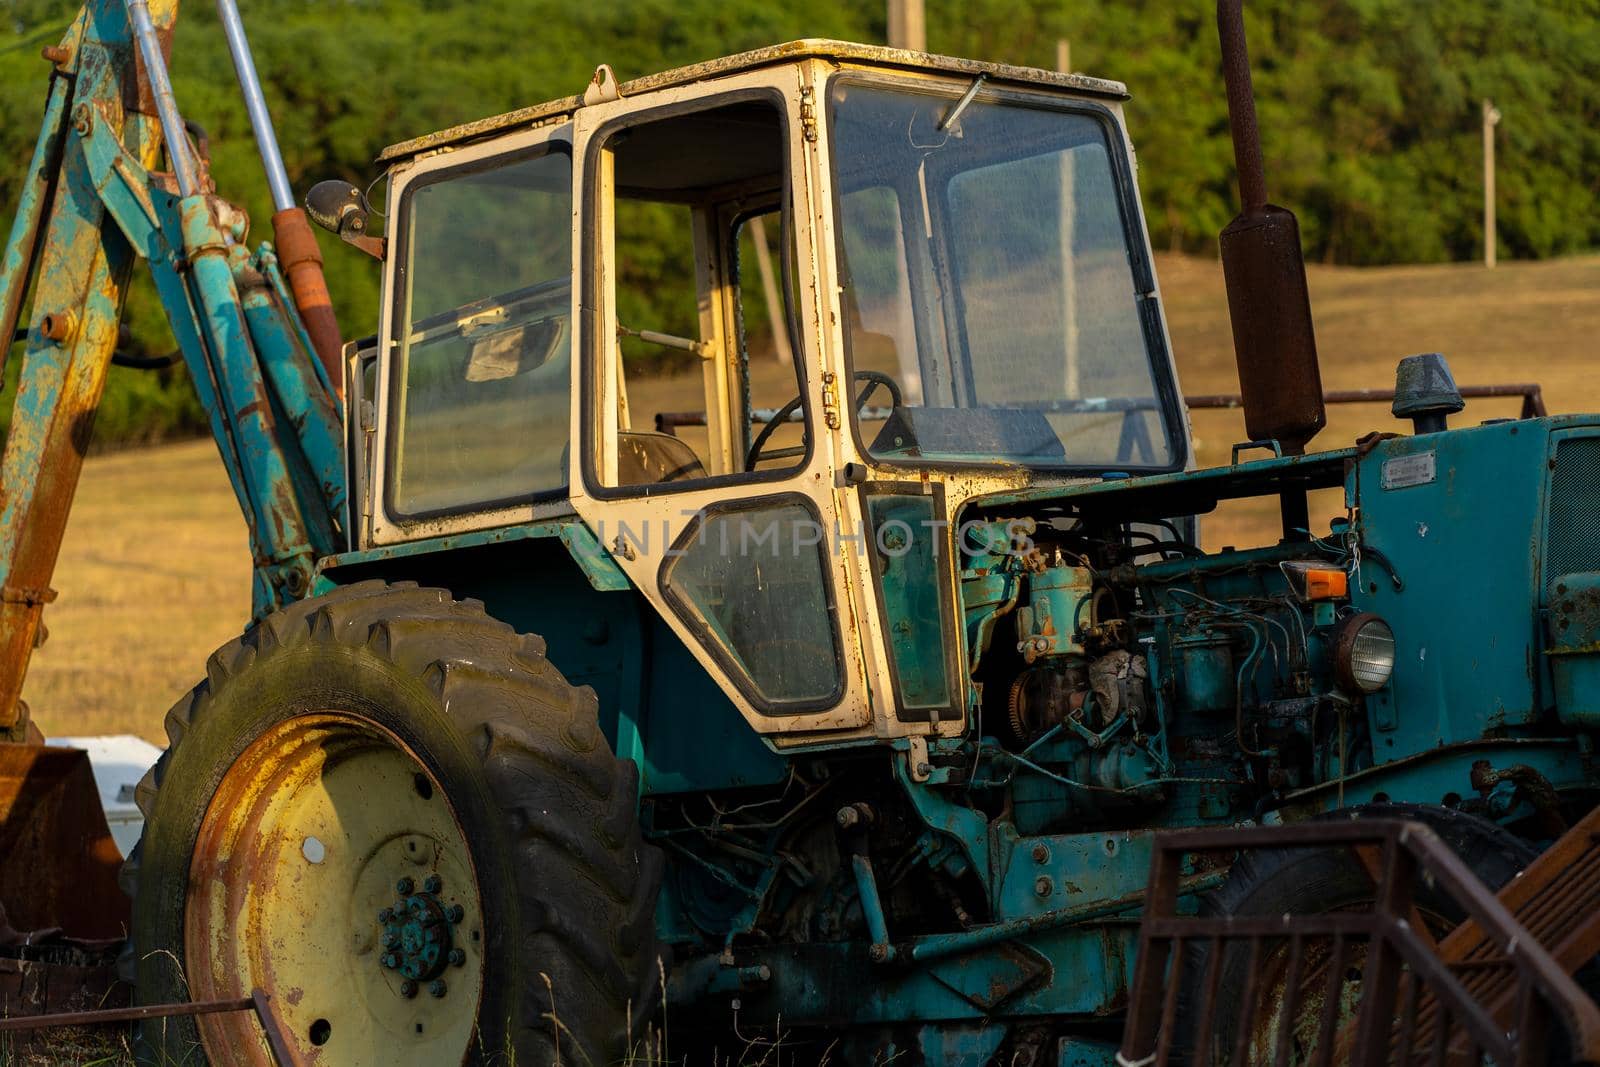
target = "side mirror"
x: 342, y: 209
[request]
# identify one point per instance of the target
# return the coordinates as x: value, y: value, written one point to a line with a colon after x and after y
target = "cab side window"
x: 483, y: 354
x: 703, y: 380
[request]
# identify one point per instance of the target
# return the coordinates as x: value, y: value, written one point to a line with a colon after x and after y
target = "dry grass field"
x: 154, y: 573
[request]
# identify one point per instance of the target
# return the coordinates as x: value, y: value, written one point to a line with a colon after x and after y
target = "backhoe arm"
x: 91, y: 205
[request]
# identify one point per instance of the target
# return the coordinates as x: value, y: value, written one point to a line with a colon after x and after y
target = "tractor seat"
x: 645, y: 457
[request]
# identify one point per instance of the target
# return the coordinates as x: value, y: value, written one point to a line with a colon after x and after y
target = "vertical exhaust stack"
x: 1265, y: 271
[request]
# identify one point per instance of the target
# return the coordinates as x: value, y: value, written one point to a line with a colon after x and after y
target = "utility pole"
x: 907, y: 27
x: 1491, y: 118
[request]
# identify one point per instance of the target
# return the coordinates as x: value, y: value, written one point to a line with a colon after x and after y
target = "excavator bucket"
x: 60, y: 868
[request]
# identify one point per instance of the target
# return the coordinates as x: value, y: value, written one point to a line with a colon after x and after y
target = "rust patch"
x: 60, y: 863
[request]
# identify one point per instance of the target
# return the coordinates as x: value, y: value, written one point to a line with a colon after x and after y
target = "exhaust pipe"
x: 1268, y: 301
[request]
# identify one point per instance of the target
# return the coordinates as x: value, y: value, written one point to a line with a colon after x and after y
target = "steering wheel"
x: 873, y: 378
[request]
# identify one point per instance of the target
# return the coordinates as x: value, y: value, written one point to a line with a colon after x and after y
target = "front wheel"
x: 391, y: 813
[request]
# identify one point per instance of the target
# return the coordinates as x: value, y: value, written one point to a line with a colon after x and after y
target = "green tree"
x: 1369, y: 108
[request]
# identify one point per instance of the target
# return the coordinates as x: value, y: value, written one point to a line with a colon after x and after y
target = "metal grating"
x: 1573, y: 540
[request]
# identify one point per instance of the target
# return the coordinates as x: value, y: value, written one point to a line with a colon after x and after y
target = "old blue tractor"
x: 818, y: 705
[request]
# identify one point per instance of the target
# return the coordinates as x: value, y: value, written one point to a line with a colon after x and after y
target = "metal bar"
x: 1205, y: 1011
x: 1332, y: 924
x: 1533, y: 1030
x: 258, y: 1001
x: 1406, y: 1013
x: 1150, y: 965
x: 302, y: 260
x: 38, y: 185
x: 124, y: 1015
x: 280, y: 543
x: 1241, y: 105
x: 1332, y: 996
x: 1169, y: 1005
x: 244, y: 66
x: 1297, y: 835
x: 281, y: 1052
x: 871, y: 905
x: 938, y: 946
x: 172, y: 129
x: 1291, y: 1002
x: 1381, y: 980
x: 1532, y: 403
x: 1247, y: 1005
x: 1441, y: 1040
x: 1532, y: 397
x: 1453, y: 999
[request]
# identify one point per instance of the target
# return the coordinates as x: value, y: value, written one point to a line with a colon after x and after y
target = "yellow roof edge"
x: 809, y: 48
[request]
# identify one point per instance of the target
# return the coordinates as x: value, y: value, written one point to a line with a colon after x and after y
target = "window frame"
x: 791, y: 323
x: 591, y: 351
x: 1169, y: 404
x: 695, y: 621
x: 387, y: 524
x: 957, y: 683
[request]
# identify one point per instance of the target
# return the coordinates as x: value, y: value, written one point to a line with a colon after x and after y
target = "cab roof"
x: 877, y: 55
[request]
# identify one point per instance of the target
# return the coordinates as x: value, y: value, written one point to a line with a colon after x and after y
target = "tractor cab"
x: 892, y: 282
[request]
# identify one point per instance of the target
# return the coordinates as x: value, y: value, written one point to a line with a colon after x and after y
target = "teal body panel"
x: 1466, y: 545
x: 657, y: 705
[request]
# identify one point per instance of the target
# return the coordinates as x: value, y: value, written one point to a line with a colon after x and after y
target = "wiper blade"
x: 961, y: 105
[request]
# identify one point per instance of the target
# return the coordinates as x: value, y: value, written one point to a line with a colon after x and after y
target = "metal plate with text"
x: 1402, y: 471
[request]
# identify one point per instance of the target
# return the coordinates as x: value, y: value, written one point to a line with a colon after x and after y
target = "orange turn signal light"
x: 1326, y: 584
x: 1316, y: 581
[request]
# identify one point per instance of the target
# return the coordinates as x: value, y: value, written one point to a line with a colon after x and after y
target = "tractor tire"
x: 1318, y: 881
x: 389, y: 812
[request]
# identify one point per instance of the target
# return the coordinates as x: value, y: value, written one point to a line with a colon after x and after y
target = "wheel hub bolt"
x: 416, y: 934
x: 385, y: 915
x: 408, y: 989
x: 457, y: 958
x: 437, y: 987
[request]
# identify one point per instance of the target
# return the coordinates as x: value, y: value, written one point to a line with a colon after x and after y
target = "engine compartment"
x: 1122, y: 682
x: 1123, y: 674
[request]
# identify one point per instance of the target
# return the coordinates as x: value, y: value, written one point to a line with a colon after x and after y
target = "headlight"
x: 1363, y: 653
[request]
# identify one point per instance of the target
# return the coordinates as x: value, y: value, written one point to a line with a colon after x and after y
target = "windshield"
x: 992, y: 311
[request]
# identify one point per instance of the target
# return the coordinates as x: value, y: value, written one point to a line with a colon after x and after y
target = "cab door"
x: 704, y: 461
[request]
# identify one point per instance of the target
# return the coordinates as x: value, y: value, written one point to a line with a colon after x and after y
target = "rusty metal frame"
x: 1530, y: 392
x: 1404, y: 975
x: 1532, y: 397
x: 258, y: 1001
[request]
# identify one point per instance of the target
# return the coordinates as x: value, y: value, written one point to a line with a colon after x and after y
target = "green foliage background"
x: 1369, y: 109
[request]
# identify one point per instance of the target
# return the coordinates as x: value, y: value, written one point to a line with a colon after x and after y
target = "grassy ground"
x: 154, y: 572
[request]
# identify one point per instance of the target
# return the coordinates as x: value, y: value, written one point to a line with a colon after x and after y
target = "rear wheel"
x: 392, y: 814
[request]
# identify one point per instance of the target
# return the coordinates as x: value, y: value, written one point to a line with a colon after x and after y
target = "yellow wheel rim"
x: 332, y: 873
